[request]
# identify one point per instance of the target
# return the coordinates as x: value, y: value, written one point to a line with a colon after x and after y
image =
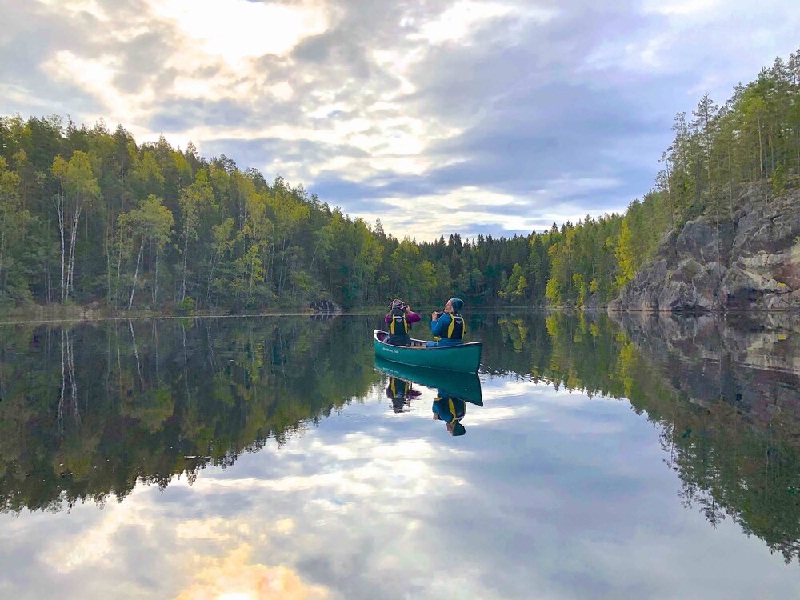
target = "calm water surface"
x: 269, y: 458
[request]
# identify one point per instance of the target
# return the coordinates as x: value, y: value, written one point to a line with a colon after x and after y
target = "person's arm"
x: 440, y: 411
x: 412, y: 317
x: 388, y: 318
x: 439, y: 326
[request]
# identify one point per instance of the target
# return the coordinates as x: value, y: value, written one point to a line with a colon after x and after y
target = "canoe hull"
x: 464, y: 358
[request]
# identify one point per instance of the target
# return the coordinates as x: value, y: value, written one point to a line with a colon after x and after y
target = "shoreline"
x: 79, y: 314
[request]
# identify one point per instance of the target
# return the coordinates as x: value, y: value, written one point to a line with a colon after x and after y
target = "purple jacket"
x: 411, y: 317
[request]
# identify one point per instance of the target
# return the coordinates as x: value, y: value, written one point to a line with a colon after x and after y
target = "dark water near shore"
x: 264, y: 458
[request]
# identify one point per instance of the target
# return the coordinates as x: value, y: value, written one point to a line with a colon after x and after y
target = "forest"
x: 89, y: 217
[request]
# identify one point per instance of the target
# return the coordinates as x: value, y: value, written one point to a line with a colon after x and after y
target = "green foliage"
x: 516, y: 286
x: 185, y: 306
x: 77, y: 221
x: 625, y: 254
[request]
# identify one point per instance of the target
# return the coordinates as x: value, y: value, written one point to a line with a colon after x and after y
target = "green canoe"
x: 466, y: 386
x: 464, y: 358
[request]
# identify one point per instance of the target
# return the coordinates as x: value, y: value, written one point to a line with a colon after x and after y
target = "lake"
x: 235, y: 458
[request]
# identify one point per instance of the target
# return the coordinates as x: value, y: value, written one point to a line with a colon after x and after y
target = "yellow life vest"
x: 457, y: 328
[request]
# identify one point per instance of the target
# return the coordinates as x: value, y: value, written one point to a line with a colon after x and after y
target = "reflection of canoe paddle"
x: 466, y: 386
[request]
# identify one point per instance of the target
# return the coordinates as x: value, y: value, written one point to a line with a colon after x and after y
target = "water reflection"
x: 400, y: 392
x: 463, y: 385
x: 453, y: 391
x: 89, y: 411
x: 451, y: 410
x: 723, y: 393
x: 93, y: 412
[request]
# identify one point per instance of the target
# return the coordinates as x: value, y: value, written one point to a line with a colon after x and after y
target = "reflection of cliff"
x: 87, y: 412
x: 751, y: 364
x: 723, y: 393
x: 726, y: 395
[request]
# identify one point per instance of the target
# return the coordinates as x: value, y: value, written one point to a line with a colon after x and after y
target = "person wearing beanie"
x: 448, y: 326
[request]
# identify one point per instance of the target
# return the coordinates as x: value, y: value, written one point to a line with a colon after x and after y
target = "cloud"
x: 368, y: 104
x: 234, y: 577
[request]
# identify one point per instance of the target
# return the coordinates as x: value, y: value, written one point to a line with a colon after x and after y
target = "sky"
x: 494, y: 117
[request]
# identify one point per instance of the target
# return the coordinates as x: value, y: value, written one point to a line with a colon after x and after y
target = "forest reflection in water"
x: 90, y: 411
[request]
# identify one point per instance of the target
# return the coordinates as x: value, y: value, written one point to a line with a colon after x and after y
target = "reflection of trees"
x: 731, y: 467
x: 724, y: 398
x: 89, y: 411
x: 569, y: 352
x: 69, y: 386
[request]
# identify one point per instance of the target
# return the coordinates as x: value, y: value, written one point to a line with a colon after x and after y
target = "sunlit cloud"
x: 238, y: 29
x: 545, y: 113
x: 467, y: 205
x: 461, y: 19
x: 96, y: 77
x: 234, y: 577
x: 77, y: 7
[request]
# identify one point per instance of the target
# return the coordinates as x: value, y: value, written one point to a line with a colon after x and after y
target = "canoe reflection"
x: 453, y: 391
x: 466, y: 386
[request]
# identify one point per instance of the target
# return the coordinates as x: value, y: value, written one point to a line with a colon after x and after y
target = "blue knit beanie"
x: 457, y: 303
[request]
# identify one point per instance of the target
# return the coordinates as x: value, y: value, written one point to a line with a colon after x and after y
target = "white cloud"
x: 460, y: 20
x: 683, y: 7
x: 94, y: 546
x: 96, y: 77
x: 77, y: 7
x: 337, y: 94
x: 238, y: 29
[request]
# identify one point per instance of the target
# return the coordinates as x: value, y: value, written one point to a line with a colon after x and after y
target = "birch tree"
x: 77, y: 191
x: 152, y: 222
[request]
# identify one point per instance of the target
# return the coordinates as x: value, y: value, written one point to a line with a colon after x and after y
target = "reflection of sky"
x: 549, y: 495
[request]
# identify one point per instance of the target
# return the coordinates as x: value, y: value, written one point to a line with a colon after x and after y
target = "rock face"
x: 327, y: 307
x: 751, y: 262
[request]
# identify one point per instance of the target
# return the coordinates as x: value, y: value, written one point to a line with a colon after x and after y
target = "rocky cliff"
x: 748, y: 262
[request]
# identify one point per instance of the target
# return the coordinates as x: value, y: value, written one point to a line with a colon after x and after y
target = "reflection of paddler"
x: 451, y: 410
x: 400, y: 393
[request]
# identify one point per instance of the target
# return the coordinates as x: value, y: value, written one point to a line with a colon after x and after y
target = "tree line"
x: 91, y: 217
